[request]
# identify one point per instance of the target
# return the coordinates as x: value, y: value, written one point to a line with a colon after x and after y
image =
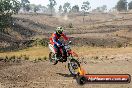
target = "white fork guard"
x: 51, y: 47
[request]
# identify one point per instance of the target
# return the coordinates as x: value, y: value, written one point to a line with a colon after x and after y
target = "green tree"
x: 25, y: 5
x: 75, y: 8
x: 85, y: 7
x: 103, y: 8
x: 98, y: 9
x: 44, y: 9
x: 130, y: 5
x: 32, y: 6
x: 24, y: 1
x: 51, y: 6
x: 7, y: 8
x: 36, y: 8
x: 66, y: 7
x: 122, y: 5
x: 60, y: 9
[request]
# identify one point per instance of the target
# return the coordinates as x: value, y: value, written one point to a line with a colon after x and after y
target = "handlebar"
x: 63, y: 44
x: 69, y: 42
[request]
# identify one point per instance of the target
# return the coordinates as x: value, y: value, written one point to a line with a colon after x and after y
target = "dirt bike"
x: 69, y: 55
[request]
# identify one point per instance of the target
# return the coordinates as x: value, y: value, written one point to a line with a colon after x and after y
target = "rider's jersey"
x: 55, y: 37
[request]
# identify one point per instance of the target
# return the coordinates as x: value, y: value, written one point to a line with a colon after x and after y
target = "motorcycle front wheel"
x: 73, y: 66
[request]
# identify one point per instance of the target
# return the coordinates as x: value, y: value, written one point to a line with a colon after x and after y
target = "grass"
x: 42, y: 52
x: 33, y: 52
x: 97, y: 51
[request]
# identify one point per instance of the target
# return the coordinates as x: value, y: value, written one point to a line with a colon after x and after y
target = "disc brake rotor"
x: 74, y: 67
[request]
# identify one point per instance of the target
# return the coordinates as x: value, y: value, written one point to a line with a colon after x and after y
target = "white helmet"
x: 59, y: 30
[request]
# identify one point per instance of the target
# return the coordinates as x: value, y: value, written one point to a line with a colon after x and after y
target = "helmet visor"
x: 60, y: 31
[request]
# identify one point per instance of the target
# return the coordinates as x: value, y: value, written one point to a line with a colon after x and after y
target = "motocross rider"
x: 54, y: 40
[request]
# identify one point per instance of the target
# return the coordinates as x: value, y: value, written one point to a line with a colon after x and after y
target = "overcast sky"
x: 93, y: 3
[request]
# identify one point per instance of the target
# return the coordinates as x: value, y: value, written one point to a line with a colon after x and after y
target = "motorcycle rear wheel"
x: 52, y: 58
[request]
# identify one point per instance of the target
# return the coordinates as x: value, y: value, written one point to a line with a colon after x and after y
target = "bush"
x: 7, y: 59
x: 116, y: 34
x: 1, y: 59
x: 45, y: 58
x: 12, y: 58
x: 41, y: 42
x: 39, y: 59
x: 119, y: 45
x: 93, y: 44
x: 96, y: 57
x: 70, y: 25
x: 35, y: 60
x: 42, y: 59
x: 26, y: 57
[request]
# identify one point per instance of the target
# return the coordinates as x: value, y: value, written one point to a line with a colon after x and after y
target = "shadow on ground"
x: 66, y: 75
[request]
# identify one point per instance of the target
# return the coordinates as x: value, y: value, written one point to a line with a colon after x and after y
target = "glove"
x: 62, y: 44
x: 70, y: 42
x: 58, y: 45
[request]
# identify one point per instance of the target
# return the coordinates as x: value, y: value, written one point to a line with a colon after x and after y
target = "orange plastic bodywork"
x: 73, y: 53
x: 81, y: 71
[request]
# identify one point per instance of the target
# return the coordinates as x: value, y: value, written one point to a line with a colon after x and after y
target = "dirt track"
x: 28, y: 74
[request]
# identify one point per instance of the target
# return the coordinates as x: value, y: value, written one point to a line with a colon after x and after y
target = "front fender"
x: 73, y: 53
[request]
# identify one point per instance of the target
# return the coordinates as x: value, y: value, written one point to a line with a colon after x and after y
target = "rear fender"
x: 51, y: 47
